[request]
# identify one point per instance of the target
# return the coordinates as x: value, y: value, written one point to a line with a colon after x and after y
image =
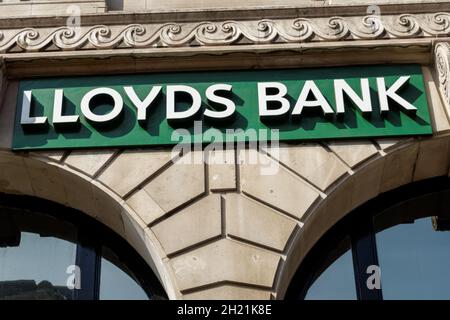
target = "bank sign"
x: 221, y: 106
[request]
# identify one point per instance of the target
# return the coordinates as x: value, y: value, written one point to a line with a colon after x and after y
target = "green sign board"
x: 169, y: 108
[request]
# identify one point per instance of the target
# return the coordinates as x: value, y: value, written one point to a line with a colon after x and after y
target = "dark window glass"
x: 35, y: 254
x: 46, y: 256
x: 336, y: 282
x: 400, y: 249
x: 415, y: 261
x: 117, y: 282
x: 36, y: 268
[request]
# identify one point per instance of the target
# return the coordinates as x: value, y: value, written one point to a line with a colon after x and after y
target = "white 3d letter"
x: 364, y: 104
x: 383, y: 94
x: 116, y: 110
x: 142, y: 105
x: 320, y: 100
x: 211, y: 95
x: 264, y: 98
x: 172, y: 114
x: 58, y: 117
x: 25, y: 117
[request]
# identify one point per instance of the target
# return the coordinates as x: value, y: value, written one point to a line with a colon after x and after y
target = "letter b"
x: 264, y: 98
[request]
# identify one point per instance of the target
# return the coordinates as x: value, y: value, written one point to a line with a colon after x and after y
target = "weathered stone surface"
x: 55, y: 155
x: 279, y: 188
x: 229, y: 292
x: 136, y: 236
x: 177, y: 185
x: 225, y: 260
x: 398, y: 167
x: 312, y: 162
x: 442, y: 72
x: 7, y: 115
x: 200, y: 4
x: 354, y: 190
x: 3, y: 82
x: 197, y: 223
x: 14, y: 177
x: 353, y: 152
x: 433, y: 159
x: 147, y: 209
x: 45, y: 8
x: 388, y: 143
x: 222, y: 170
x: 436, y: 108
x: 89, y: 161
x: 366, y: 183
x: 78, y: 191
x: 247, y: 219
x: 131, y: 168
x: 108, y: 208
x: 45, y: 180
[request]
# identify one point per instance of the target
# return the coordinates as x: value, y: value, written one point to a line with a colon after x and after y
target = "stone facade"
x: 224, y: 231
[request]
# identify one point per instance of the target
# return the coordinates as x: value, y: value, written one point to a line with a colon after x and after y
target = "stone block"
x: 197, y: 223
x: 131, y: 168
x: 283, y: 190
x: 89, y: 161
x: 225, y: 260
x: 247, y: 219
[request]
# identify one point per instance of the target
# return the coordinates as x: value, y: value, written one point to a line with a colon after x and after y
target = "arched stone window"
x: 48, y: 251
x: 395, y: 246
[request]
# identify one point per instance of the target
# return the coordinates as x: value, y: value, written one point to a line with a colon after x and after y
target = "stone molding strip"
x: 225, y: 33
x: 442, y: 63
x: 274, y: 11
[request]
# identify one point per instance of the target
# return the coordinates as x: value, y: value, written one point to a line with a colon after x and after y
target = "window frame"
x: 358, y: 225
x: 92, y: 236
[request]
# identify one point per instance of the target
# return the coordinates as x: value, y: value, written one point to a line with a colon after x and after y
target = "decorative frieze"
x: 224, y: 33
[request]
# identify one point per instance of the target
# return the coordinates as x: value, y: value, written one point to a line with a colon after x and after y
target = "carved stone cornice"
x: 442, y: 63
x: 225, y: 33
x: 268, y: 9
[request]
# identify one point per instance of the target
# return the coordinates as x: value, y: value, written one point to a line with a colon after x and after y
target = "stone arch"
x: 396, y: 164
x: 43, y: 176
x: 226, y: 230
x: 262, y: 241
